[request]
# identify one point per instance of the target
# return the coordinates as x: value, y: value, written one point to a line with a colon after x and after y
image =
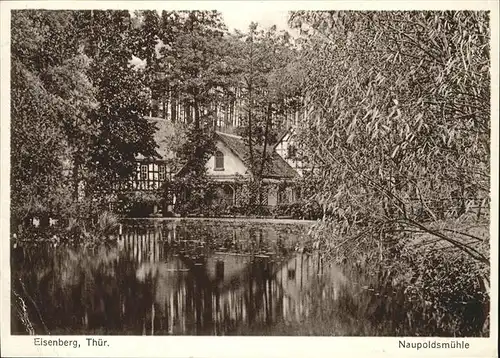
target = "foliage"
x: 51, y: 96
x: 447, y: 292
x: 263, y: 80
x: 184, y: 52
x: 305, y: 210
x: 138, y: 203
x: 196, y: 195
x: 107, y: 223
x: 397, y: 133
x: 398, y: 119
x: 77, y: 109
x: 191, y: 182
x: 194, y: 53
x: 196, y: 150
x: 122, y: 94
x: 218, y: 207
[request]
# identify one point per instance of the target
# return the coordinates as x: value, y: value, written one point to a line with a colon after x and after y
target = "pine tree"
x: 268, y: 87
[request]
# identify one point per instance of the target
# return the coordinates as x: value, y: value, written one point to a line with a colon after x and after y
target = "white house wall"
x: 232, y: 164
x: 282, y: 147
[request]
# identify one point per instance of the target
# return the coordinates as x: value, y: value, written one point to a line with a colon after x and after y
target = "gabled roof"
x: 277, y: 167
x: 166, y: 133
x: 289, y: 130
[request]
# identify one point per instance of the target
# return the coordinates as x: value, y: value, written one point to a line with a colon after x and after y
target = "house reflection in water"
x: 200, y: 291
x: 195, y: 278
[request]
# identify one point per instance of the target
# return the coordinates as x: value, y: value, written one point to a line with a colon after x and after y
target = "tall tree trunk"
x: 196, y: 114
x: 266, y: 139
x: 173, y: 107
x: 255, y: 189
x: 75, y: 175
x: 250, y: 139
x: 250, y: 110
x: 264, y: 158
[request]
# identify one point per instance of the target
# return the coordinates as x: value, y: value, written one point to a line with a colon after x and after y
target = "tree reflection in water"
x: 174, y: 278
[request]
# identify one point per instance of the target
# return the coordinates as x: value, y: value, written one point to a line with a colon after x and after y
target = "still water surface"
x: 172, y: 277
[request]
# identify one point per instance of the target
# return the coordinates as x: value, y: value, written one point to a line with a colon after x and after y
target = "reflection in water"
x: 169, y: 279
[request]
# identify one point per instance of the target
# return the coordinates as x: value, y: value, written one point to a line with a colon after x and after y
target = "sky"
x: 240, y: 18
x: 240, y: 15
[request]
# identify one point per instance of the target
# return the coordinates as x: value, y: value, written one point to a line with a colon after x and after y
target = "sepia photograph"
x: 219, y: 172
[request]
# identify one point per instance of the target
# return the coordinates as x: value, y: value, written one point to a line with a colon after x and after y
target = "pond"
x: 172, y: 277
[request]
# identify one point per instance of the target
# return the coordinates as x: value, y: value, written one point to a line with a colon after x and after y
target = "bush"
x: 299, y: 210
x: 445, y: 289
x: 423, y: 287
x: 107, y: 223
x: 260, y: 210
x: 138, y: 204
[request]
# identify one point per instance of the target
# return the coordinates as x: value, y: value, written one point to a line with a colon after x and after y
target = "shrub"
x: 258, y: 210
x: 431, y: 287
x: 107, y: 223
x: 300, y: 210
x: 138, y: 204
x: 444, y: 288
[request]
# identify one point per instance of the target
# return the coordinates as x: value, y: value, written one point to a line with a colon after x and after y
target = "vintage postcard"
x: 249, y: 179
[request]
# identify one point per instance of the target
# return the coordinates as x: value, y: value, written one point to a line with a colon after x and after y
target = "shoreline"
x: 226, y: 219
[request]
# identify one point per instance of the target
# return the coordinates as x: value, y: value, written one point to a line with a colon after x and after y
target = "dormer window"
x: 219, y: 160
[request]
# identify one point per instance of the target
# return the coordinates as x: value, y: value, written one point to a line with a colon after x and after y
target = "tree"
x: 185, y: 52
x: 398, y: 117
x: 266, y: 82
x: 77, y: 107
x: 191, y: 62
x: 51, y: 97
x: 122, y: 93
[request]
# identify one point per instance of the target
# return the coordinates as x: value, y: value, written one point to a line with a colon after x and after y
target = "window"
x: 144, y: 172
x: 219, y: 160
x: 150, y: 175
x: 292, y: 151
x: 161, y: 172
